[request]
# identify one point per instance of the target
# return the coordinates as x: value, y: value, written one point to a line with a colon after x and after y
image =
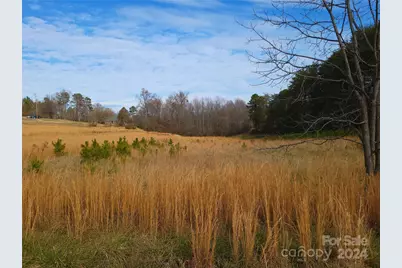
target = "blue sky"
x: 109, y: 50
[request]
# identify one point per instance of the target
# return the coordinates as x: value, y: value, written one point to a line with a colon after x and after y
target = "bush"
x: 136, y: 144
x: 95, y: 151
x: 35, y: 165
x: 59, y: 147
x: 152, y: 141
x: 175, y: 148
x: 172, y: 150
x: 130, y: 126
x: 123, y: 149
x: 143, y: 141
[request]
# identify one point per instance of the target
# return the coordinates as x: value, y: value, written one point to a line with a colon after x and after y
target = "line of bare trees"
x: 200, y: 116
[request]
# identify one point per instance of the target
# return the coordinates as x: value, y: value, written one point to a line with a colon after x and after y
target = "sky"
x: 109, y: 50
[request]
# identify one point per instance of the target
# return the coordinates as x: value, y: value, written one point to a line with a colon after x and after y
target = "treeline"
x: 318, y: 99
x: 65, y: 105
x: 200, y: 116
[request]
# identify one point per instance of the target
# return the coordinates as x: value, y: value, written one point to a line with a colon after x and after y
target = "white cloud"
x: 123, y: 55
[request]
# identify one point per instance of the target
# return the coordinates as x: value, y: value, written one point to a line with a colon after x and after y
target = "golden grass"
x: 215, y: 188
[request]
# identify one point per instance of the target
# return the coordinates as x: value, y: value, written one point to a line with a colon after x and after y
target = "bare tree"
x: 198, y: 107
x: 203, y: 116
x: 144, y: 100
x: 99, y: 113
x: 176, y: 105
x: 150, y: 107
x: 317, y: 30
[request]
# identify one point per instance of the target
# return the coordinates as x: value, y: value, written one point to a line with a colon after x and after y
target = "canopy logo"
x: 347, y: 247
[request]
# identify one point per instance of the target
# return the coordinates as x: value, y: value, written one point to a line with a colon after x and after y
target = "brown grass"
x: 215, y: 188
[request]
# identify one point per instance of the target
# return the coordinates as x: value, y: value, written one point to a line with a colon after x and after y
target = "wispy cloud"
x: 161, y: 49
x: 34, y: 6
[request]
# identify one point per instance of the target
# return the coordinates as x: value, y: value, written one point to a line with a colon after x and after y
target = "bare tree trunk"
x: 373, y: 124
x: 203, y: 132
x: 368, y: 154
x: 377, y: 138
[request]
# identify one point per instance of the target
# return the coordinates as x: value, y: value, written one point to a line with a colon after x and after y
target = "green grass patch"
x: 103, y: 250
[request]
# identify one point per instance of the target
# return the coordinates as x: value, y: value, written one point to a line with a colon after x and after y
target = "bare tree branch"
x: 311, y: 141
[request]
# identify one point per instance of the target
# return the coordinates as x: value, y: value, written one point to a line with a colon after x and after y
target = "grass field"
x: 217, y: 203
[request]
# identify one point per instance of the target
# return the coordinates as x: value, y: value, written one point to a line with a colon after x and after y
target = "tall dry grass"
x: 217, y: 188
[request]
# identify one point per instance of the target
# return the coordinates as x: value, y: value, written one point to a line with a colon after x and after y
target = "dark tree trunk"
x: 377, y: 138
x: 368, y: 154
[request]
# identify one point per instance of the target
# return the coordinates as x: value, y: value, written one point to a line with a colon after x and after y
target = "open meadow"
x: 173, y: 201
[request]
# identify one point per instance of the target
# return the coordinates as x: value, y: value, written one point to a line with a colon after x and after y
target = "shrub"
x: 140, y: 145
x: 35, y: 165
x: 172, y: 150
x: 87, y: 151
x: 152, y: 141
x: 59, y: 147
x: 143, y: 146
x: 123, y: 149
x: 95, y: 151
x: 107, y: 149
x: 175, y: 148
x: 136, y: 144
x: 130, y: 126
x: 143, y: 141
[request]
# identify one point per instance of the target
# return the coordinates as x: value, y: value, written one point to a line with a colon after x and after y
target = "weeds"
x: 244, y: 146
x: 35, y: 165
